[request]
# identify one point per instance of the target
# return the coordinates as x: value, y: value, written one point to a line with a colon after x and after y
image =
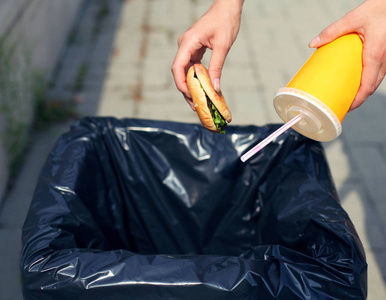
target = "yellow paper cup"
x: 323, y: 89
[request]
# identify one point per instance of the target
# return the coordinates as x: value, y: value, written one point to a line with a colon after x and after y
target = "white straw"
x: 270, y: 138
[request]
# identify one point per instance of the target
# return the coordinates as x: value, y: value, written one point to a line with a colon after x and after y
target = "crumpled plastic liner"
x: 139, y: 209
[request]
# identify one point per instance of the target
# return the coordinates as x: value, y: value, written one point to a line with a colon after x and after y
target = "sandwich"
x: 210, y: 105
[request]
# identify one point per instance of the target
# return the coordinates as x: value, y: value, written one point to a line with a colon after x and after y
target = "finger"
x: 373, y: 73
x: 369, y: 82
x: 216, y: 64
x: 367, y: 88
x: 178, y: 70
x: 190, y: 102
x: 189, y: 52
x: 347, y: 24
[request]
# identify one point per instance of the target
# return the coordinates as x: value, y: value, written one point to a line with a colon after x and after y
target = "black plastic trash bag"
x: 136, y: 209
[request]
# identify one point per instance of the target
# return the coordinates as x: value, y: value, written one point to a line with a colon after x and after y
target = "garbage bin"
x: 140, y: 209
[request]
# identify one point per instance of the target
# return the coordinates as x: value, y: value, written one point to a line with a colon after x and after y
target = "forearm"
x: 236, y: 4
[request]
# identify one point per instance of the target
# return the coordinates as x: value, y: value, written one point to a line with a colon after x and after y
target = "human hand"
x: 217, y: 30
x: 368, y: 20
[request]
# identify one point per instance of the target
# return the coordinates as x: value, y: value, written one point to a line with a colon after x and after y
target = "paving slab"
x: 15, y: 210
x: 10, y: 247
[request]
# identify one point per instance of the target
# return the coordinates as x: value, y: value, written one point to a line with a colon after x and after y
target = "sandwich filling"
x: 218, y: 119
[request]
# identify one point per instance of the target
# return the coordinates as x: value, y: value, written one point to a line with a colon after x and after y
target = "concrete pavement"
x: 127, y: 54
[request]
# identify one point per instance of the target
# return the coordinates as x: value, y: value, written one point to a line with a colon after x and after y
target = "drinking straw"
x: 270, y: 138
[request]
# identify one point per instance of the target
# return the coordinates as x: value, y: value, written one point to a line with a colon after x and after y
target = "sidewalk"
x: 127, y: 54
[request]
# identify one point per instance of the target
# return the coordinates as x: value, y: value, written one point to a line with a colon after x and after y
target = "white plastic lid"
x: 318, y: 122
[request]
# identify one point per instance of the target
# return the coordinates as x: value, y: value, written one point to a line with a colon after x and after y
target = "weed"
x: 100, y: 16
x: 23, y: 104
x: 15, y: 87
x: 49, y: 112
x: 80, y: 77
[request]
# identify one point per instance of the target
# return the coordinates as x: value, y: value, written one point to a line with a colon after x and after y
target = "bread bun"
x: 203, y: 96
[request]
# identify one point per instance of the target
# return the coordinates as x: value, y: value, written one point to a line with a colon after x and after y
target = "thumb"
x: 331, y: 33
x: 215, y: 67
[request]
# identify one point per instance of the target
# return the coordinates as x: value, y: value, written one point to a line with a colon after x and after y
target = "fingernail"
x: 314, y: 42
x: 216, y: 84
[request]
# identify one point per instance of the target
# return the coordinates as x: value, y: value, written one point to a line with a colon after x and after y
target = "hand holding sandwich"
x: 217, y: 30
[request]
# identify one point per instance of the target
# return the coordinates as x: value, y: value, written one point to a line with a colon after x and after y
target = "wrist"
x: 235, y: 5
x: 228, y: 8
